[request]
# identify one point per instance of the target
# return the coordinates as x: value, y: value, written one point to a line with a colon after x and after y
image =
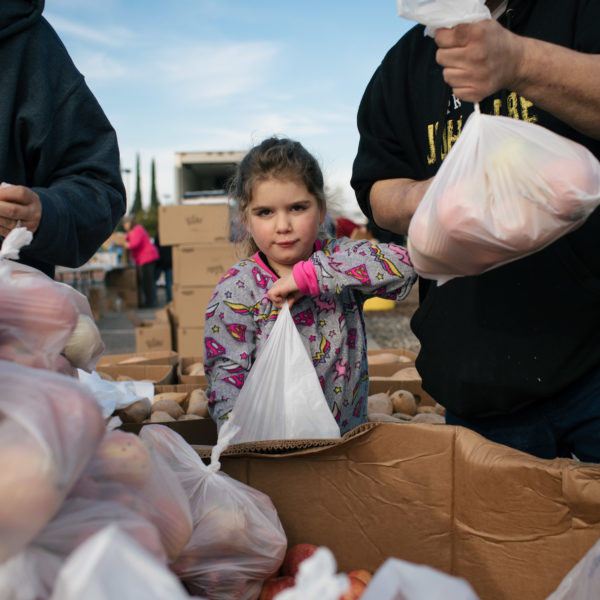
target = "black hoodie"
x: 520, y: 333
x: 55, y: 139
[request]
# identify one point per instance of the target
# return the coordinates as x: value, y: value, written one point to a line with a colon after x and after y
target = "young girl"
x: 280, y: 194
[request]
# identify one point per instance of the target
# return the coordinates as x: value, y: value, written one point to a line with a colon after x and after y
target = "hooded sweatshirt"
x: 55, y: 139
x: 493, y: 343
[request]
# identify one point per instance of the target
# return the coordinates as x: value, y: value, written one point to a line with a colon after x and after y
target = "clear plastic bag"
x: 44, y: 323
x: 238, y: 540
x: 282, y: 398
x: 507, y: 189
x: 111, y: 565
x: 126, y: 470
x: 31, y: 575
x: 442, y: 13
x: 50, y: 426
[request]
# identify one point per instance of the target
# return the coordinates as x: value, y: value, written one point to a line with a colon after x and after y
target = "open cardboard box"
x: 164, y: 357
x: 183, y: 365
x: 157, y: 374
x: 511, y: 524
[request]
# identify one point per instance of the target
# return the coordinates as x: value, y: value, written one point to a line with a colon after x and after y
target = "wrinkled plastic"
x: 398, y: 578
x: 39, y: 316
x: 111, y: 565
x: 31, y: 575
x: 442, y: 13
x: 582, y: 582
x: 282, y: 398
x: 238, y: 540
x: 507, y: 189
x: 50, y: 426
x: 126, y: 470
x: 317, y: 579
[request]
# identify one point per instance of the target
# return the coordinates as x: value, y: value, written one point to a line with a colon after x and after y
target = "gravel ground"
x: 391, y: 328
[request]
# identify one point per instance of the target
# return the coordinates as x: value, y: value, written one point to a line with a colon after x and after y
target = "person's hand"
x: 19, y: 203
x: 284, y: 289
x: 478, y: 58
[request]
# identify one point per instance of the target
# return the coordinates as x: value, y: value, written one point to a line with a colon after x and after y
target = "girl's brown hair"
x: 273, y: 158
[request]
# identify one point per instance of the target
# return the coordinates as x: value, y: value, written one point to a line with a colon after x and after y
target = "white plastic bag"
x: 582, y: 582
x: 442, y: 13
x: 282, y: 398
x: 507, y: 189
x: 398, y: 578
x: 111, y: 565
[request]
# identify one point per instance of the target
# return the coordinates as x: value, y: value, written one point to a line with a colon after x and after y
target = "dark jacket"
x: 55, y: 139
x: 525, y: 331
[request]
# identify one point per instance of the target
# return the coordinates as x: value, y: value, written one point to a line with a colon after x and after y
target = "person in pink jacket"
x: 145, y: 255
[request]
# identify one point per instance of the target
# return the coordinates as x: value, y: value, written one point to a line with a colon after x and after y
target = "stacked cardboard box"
x: 199, y: 234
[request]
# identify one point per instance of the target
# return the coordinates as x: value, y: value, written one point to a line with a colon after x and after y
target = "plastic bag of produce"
x: 442, y: 13
x: 43, y: 323
x: 112, y: 565
x: 507, y: 189
x: 31, y: 574
x: 238, y: 540
x: 126, y: 470
x: 282, y: 398
x: 50, y: 426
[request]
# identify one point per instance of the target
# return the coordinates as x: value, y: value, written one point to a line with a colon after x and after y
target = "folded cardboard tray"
x: 511, y: 524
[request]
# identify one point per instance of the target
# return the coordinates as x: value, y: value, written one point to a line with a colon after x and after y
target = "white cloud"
x: 218, y: 70
x: 113, y: 37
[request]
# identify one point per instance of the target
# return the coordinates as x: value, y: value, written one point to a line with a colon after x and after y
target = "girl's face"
x: 283, y: 220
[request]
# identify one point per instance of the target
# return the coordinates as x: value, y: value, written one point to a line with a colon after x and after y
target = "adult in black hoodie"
x: 513, y: 353
x: 57, y: 148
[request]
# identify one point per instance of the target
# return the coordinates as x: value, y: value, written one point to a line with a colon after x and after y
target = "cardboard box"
x: 190, y: 304
x: 164, y: 357
x: 157, y: 374
x: 202, y: 264
x: 198, y: 223
x: 190, y: 341
x: 153, y: 336
x: 182, y: 366
x: 511, y: 524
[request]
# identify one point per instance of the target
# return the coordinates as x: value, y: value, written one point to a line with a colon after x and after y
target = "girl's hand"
x: 284, y: 289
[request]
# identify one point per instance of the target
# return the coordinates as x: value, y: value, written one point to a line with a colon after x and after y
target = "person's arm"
x: 482, y: 58
x: 394, y: 201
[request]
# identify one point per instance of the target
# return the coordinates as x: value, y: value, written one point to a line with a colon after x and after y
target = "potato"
x: 196, y: 368
x: 382, y: 418
x: 404, y: 402
x: 188, y: 417
x: 124, y: 378
x: 168, y: 406
x: 198, y: 403
x: 179, y: 397
x: 105, y: 376
x: 428, y: 418
x: 439, y: 409
x: 425, y: 409
x: 137, y: 412
x: 380, y: 403
x: 160, y: 416
x: 402, y: 416
x: 407, y: 374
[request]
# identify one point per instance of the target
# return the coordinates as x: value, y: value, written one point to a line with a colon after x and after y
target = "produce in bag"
x: 238, y: 540
x: 507, y: 188
x: 282, y: 398
x: 126, y: 470
x: 44, y: 323
x: 50, y: 426
x: 31, y: 574
x: 111, y: 565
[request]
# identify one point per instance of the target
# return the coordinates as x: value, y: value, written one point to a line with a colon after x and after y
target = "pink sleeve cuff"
x: 305, y: 277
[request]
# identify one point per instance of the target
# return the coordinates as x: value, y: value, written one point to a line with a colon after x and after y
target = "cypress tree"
x: 137, y: 197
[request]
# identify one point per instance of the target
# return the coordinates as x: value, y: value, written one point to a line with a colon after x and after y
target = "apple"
x: 272, y: 587
x: 356, y: 589
x: 363, y: 574
x: 294, y: 556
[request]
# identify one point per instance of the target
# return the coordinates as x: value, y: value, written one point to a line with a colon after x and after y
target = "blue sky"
x: 198, y: 75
